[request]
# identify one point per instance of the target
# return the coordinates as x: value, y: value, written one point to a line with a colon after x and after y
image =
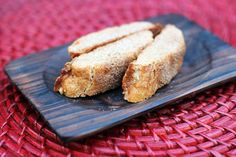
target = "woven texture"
x: 201, y: 126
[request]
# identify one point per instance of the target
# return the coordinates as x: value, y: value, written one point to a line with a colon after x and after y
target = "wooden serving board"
x: 208, y: 62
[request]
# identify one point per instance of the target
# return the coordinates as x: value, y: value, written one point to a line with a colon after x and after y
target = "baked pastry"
x: 102, y: 68
x: 101, y: 59
x: 156, y: 65
x: 93, y: 40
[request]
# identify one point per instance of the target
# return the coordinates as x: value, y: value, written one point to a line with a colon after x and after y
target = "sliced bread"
x: 105, y: 36
x: 156, y: 65
x: 103, y: 68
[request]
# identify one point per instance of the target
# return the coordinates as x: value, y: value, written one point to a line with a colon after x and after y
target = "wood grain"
x: 208, y: 62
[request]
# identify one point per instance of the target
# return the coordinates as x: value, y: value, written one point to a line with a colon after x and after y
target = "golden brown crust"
x: 156, y: 29
x: 151, y: 77
x: 97, y: 83
x: 138, y: 89
x: 142, y: 80
x: 64, y: 73
x: 84, y: 76
x: 73, y: 83
x: 89, y: 81
x: 139, y: 82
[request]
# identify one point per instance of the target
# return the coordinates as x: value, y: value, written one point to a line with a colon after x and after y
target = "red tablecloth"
x: 202, y: 126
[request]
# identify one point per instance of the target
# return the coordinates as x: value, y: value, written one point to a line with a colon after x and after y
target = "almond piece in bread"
x: 105, y: 36
x: 156, y: 65
x: 103, y: 68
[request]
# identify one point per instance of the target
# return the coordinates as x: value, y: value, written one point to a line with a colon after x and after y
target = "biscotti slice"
x: 101, y: 69
x: 155, y: 66
x: 105, y: 36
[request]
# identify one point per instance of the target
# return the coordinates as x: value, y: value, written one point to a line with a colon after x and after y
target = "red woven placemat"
x: 201, y: 126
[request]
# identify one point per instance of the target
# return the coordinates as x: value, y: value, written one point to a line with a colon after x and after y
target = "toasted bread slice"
x: 157, y: 64
x: 105, y: 36
x: 103, y: 68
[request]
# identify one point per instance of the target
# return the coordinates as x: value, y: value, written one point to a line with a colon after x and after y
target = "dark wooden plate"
x: 208, y: 62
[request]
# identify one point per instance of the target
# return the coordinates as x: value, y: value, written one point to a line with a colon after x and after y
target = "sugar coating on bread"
x: 156, y: 65
x: 169, y: 41
x: 103, y: 68
x: 108, y: 35
x: 115, y: 51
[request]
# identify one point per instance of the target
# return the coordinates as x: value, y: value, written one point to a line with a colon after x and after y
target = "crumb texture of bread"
x: 103, y: 68
x: 105, y: 36
x: 156, y: 65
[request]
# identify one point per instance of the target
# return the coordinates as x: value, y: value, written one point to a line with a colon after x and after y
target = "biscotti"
x: 103, y: 68
x: 93, y: 40
x: 157, y: 64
